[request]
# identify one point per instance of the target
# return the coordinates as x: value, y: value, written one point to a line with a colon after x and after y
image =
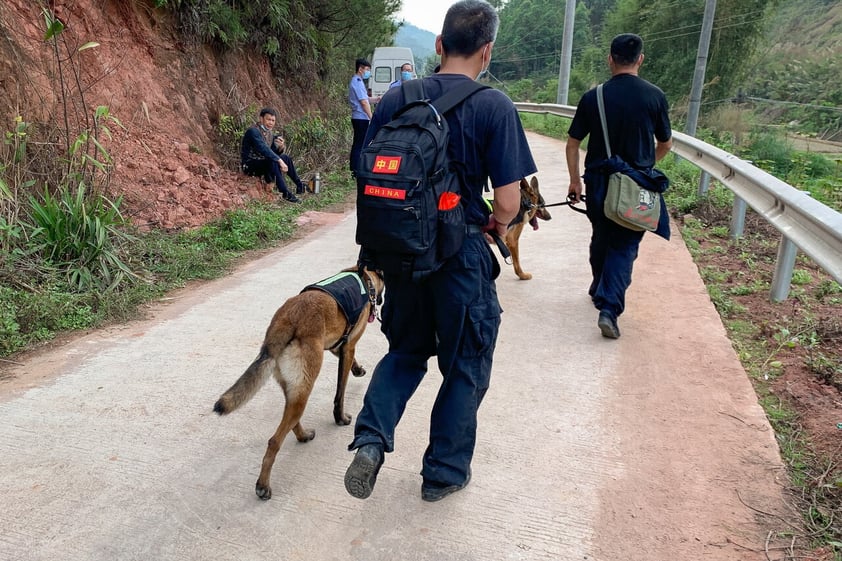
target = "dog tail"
x: 244, y: 389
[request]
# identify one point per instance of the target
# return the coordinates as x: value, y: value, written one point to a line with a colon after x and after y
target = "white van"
x: 386, y: 67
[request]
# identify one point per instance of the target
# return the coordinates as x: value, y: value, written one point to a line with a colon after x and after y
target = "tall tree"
x: 529, y: 43
x: 305, y: 40
x: 670, y: 31
x: 529, y: 40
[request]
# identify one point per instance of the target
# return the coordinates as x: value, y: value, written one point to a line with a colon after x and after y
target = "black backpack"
x: 410, y: 217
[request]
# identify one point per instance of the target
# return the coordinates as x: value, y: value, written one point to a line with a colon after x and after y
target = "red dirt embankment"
x: 168, y: 96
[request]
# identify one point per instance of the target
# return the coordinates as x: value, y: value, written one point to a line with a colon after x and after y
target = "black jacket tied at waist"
x: 596, y: 182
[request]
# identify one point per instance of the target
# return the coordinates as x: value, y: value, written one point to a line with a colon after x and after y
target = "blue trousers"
x: 360, y: 127
x: 613, y: 250
x: 454, y: 315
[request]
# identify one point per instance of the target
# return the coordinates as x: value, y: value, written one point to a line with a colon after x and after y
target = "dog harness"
x: 349, y: 292
x: 351, y: 295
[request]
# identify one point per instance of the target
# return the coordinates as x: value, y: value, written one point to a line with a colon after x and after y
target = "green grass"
x: 548, y: 125
x: 162, y: 261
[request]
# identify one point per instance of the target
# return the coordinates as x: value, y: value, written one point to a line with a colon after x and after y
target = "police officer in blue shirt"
x: 406, y: 75
x: 454, y: 314
x: 361, y: 109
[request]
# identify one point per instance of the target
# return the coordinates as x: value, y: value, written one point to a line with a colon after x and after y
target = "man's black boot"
x: 432, y: 492
x: 362, y: 473
x: 607, y: 324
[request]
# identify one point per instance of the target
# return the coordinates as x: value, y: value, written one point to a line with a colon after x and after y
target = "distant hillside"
x: 795, y: 77
x: 422, y: 43
x: 807, y: 27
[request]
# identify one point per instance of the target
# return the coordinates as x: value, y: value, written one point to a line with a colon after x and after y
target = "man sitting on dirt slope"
x: 261, y: 155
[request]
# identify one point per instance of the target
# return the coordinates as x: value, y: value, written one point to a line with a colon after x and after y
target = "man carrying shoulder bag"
x: 639, y: 134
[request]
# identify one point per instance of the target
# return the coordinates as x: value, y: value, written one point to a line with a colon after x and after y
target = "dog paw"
x: 306, y: 436
x: 343, y: 419
x: 358, y: 371
x: 525, y: 276
x: 263, y: 491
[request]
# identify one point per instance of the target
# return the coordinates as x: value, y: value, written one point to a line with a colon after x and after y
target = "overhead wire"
x: 649, y: 38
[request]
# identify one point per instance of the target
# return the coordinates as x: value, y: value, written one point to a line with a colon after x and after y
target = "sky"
x: 426, y: 14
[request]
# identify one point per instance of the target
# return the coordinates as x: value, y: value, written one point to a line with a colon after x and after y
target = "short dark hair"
x: 268, y: 111
x: 626, y: 48
x: 468, y: 26
x: 361, y: 62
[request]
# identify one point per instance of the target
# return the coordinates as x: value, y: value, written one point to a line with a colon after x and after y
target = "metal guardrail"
x: 813, y: 227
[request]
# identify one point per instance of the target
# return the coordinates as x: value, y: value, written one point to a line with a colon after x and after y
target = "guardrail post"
x: 738, y: 218
x: 782, y: 278
x: 704, y: 183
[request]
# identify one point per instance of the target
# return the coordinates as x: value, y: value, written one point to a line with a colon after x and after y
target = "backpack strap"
x: 413, y: 90
x: 457, y: 95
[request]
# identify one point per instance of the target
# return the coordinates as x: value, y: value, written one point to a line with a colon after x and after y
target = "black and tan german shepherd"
x: 302, y: 329
x: 531, y: 209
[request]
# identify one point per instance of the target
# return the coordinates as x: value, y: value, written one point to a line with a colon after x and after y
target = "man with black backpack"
x: 448, y: 307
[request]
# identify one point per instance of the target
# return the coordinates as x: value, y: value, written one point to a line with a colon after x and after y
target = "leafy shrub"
x: 80, y: 233
x: 522, y: 90
x: 770, y: 153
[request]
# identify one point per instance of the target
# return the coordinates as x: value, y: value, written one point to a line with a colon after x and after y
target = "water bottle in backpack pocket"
x: 451, y: 224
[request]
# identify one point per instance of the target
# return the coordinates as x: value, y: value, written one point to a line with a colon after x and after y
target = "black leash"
x: 569, y: 202
x: 501, y: 245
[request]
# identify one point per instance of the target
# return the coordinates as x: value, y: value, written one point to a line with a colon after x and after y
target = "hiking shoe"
x: 362, y: 473
x: 432, y: 492
x: 290, y: 198
x: 607, y: 323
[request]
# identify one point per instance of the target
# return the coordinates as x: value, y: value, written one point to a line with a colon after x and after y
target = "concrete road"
x: 649, y: 448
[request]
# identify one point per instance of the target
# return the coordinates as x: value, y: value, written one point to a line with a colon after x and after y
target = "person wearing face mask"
x: 453, y: 314
x: 361, y: 110
x: 406, y: 75
x: 261, y: 155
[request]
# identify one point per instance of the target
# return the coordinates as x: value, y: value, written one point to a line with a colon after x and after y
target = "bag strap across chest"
x: 600, y: 102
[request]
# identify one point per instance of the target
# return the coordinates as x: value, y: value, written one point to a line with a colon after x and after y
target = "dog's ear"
x: 534, y: 182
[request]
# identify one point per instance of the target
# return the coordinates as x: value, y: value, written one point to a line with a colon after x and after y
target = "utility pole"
x: 699, y: 82
x: 701, y: 66
x: 566, y: 53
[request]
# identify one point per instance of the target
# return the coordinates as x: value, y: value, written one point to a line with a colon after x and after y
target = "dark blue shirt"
x: 485, y: 134
x: 636, y: 111
x: 254, y: 146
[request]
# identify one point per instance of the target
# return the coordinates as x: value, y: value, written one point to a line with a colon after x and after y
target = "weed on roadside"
x: 31, y: 314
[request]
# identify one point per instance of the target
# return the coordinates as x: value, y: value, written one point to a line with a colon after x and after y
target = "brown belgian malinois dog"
x: 330, y: 315
x: 531, y: 209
